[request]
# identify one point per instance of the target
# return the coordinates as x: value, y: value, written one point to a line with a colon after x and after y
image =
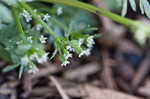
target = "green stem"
x: 29, y: 9
x: 16, y: 18
x: 54, y: 21
x: 95, y: 10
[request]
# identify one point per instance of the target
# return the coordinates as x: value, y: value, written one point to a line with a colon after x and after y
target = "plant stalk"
x: 95, y: 10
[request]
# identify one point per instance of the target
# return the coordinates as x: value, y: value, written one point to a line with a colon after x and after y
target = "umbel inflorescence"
x: 26, y: 45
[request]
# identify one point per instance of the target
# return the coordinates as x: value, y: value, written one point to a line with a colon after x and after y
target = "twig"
x: 142, y: 72
x: 107, y: 72
x: 59, y: 88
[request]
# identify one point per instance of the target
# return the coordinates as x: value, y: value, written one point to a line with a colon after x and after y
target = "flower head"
x: 24, y: 61
x: 33, y: 56
x: 46, y: 17
x: 43, y: 39
x: 67, y: 55
x: 38, y: 27
x: 65, y: 63
x: 43, y: 58
x: 81, y: 41
x: 69, y: 48
x: 86, y: 52
x: 90, y: 41
x: 30, y: 39
x: 27, y: 16
x: 33, y: 70
x: 59, y: 11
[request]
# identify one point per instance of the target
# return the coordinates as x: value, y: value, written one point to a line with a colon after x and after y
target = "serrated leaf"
x: 124, y: 7
x: 133, y: 5
x: 10, y: 67
x: 141, y: 6
x: 146, y: 8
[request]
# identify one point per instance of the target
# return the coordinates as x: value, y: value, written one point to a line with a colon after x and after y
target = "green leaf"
x: 10, y: 2
x: 124, y: 7
x: 21, y: 71
x: 4, y: 54
x: 10, y: 67
x: 5, y: 14
x: 146, y: 8
x: 54, y: 54
x: 133, y: 5
x: 141, y: 6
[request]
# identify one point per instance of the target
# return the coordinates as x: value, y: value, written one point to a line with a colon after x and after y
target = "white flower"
x: 27, y: 16
x: 43, y: 58
x: 39, y: 59
x: 69, y: 48
x: 46, y: 17
x: 24, y: 60
x: 33, y: 70
x: 43, y: 39
x: 59, y: 11
x: 30, y: 39
x: 33, y: 56
x: 67, y: 55
x: 90, y: 41
x: 85, y: 52
x: 65, y: 63
x: 80, y: 42
x: 35, y: 10
x: 88, y: 52
x: 19, y: 42
x: 38, y: 27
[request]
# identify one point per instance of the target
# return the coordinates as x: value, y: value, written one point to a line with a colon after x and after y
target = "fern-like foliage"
x: 143, y: 4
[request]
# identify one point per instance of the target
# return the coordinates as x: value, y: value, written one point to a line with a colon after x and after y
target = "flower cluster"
x: 28, y: 48
x: 27, y: 16
x: 33, y: 55
x: 81, y: 46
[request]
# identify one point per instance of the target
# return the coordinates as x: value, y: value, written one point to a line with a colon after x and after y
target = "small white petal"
x: 33, y: 56
x: 59, y: 11
x: 43, y: 58
x: 33, y: 70
x: 85, y: 52
x: 24, y: 60
x: 43, y: 39
x: 90, y: 41
x: 27, y: 16
x: 80, y: 42
x: 46, y: 17
x: 30, y: 39
x: 69, y: 48
x: 65, y: 63
x: 38, y: 27
x: 67, y: 55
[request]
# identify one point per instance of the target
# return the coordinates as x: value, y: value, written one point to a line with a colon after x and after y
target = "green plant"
x: 30, y: 27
